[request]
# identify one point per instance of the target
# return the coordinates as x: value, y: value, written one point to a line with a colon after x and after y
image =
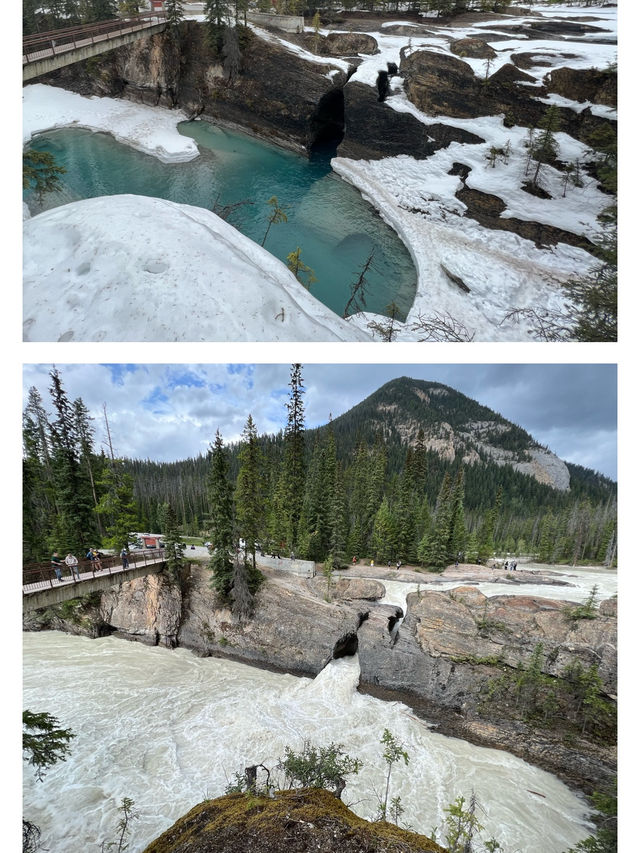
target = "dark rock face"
x: 476, y: 48
x: 374, y: 130
x: 291, y: 822
x: 486, y: 209
x: 599, y: 87
x: 441, y: 84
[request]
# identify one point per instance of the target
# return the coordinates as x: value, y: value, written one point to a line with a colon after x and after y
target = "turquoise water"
x: 327, y: 218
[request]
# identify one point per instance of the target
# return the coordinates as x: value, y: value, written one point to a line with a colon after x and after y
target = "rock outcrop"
x: 300, y: 820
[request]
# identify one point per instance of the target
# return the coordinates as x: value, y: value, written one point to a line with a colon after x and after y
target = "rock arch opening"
x: 326, y: 125
x: 346, y: 646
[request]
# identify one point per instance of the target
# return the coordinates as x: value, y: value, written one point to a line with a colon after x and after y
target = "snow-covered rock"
x: 131, y: 268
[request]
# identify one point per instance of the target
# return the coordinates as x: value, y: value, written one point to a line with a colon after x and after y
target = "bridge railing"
x: 37, y: 576
x: 39, y: 45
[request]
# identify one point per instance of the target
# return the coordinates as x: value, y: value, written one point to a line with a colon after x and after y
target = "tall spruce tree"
x: 116, y: 505
x: 249, y: 494
x: 294, y: 466
x: 172, y: 543
x: 221, y: 514
x: 74, y: 525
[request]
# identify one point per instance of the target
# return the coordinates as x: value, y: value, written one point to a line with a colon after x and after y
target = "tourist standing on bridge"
x: 72, y: 565
x: 125, y: 558
x: 56, y: 565
x: 96, y: 559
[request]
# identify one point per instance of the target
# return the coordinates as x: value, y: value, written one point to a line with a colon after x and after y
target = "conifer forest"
x: 353, y: 487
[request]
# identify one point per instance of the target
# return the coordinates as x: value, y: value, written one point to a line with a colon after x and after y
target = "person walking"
x: 56, y: 565
x: 125, y: 558
x: 72, y: 565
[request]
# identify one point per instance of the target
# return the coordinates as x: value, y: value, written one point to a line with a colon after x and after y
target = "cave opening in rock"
x: 346, y: 646
x: 326, y: 126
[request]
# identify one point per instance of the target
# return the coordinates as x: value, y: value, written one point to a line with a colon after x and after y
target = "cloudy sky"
x: 166, y: 412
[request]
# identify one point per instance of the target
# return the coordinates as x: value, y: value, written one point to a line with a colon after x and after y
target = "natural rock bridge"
x: 45, y: 52
x: 41, y: 588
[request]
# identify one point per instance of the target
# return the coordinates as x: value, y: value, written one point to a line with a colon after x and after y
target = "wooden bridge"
x: 41, y: 588
x: 45, y: 52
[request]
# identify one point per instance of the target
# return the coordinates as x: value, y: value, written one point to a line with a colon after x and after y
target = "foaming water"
x: 581, y: 580
x: 168, y: 729
x: 326, y: 217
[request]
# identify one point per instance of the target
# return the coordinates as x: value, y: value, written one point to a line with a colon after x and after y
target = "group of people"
x: 71, y: 562
x: 510, y: 565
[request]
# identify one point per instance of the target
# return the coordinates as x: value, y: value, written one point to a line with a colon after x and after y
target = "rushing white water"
x: 582, y: 581
x: 168, y: 729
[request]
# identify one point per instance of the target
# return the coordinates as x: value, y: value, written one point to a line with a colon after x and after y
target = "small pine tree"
x: 40, y: 173
x: 545, y: 147
x: 276, y: 216
x: 393, y: 753
x: 302, y: 272
x: 174, y: 10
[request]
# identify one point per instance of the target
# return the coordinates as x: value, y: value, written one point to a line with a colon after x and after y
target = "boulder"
x: 439, y: 84
x: 350, y: 44
x: 476, y: 48
x: 584, y: 84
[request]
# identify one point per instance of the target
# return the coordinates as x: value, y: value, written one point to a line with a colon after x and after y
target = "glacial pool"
x: 335, y: 228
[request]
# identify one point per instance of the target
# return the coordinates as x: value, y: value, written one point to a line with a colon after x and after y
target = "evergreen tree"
x: 249, y: 495
x: 215, y: 13
x: 319, y: 499
x: 596, y: 293
x: 221, y: 513
x: 337, y: 521
x: 545, y: 146
x: 457, y: 531
x: 294, y: 467
x: 74, y: 524
x: 302, y: 272
x: 172, y: 543
x: 174, y: 10
x: 384, y: 537
x: 434, y: 548
x: 41, y: 173
x: 38, y: 492
x: 116, y: 506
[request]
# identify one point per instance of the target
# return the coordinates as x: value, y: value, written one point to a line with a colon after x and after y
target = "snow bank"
x: 152, y: 130
x: 502, y: 270
x: 130, y: 268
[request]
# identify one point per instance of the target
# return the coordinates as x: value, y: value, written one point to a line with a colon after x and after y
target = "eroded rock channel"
x: 448, y: 648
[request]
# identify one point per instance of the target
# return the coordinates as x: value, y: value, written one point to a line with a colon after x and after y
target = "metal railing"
x: 43, y: 45
x: 38, y: 576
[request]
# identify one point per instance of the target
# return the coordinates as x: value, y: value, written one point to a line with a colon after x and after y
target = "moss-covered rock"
x: 292, y: 822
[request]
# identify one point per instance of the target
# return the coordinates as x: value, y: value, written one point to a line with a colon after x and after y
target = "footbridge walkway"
x: 41, y: 588
x: 45, y: 52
